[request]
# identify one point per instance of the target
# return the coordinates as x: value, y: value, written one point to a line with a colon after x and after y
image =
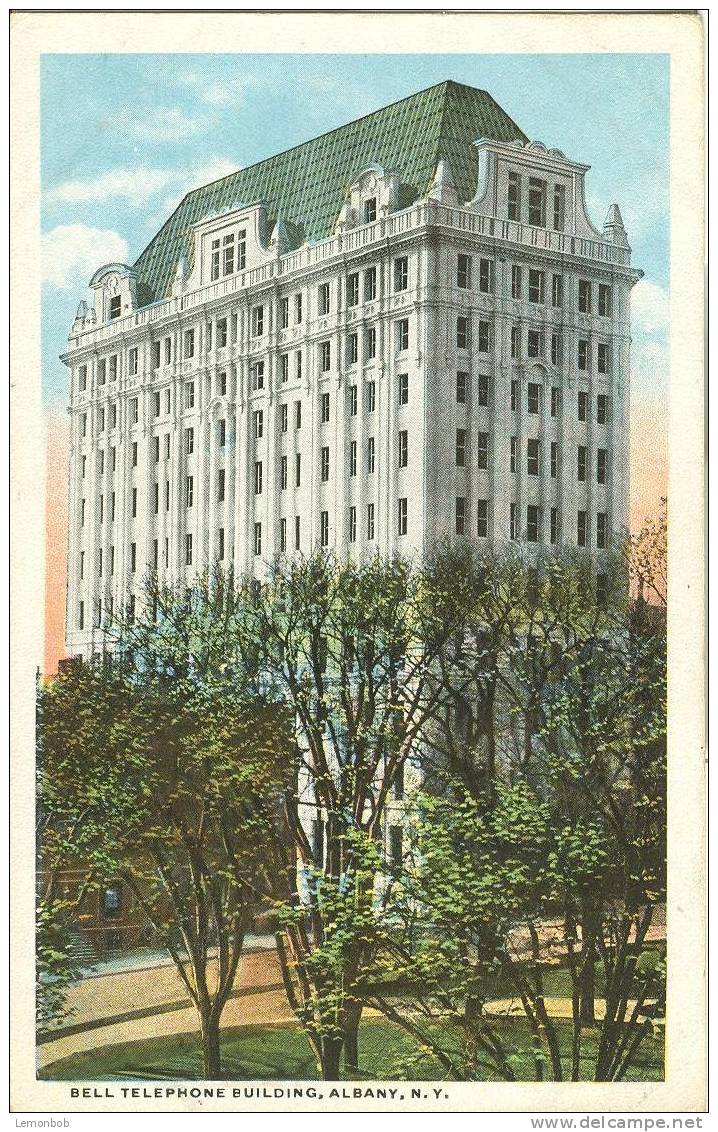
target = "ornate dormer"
x: 115, y: 286
x: 371, y: 196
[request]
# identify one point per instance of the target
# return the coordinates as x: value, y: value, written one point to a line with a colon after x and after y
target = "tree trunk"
x: 211, y: 1053
x: 351, y: 1040
x: 587, y: 979
x: 331, y: 1056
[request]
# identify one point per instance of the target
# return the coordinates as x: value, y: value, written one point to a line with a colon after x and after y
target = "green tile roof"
x: 307, y: 184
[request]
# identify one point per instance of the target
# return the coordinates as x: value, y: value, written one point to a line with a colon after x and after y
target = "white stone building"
x: 405, y: 330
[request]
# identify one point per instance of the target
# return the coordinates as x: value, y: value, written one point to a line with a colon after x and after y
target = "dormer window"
x: 115, y: 306
x: 228, y: 255
x: 559, y: 207
x: 514, y: 197
x: 537, y: 202
x: 214, y: 268
x: 369, y: 210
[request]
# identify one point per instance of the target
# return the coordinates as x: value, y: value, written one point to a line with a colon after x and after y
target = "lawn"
x: 260, y: 1053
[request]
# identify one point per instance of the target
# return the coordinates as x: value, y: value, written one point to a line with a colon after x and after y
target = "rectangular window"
x: 353, y: 289
x: 605, y: 300
x: 534, y: 397
x: 220, y: 544
x: 82, y: 375
x: 370, y: 396
x: 283, y: 473
x: 188, y: 443
x: 370, y: 344
x: 461, y: 379
x: 515, y: 281
x: 257, y: 376
x: 581, y: 463
x: 555, y: 400
x: 484, y: 385
x: 134, y: 453
x: 257, y: 322
x: 369, y: 284
x: 512, y: 458
x: 257, y: 538
x: 402, y: 517
x: 515, y: 341
x: 284, y: 417
x: 460, y: 447
x: 462, y: 332
x: 555, y: 349
x: 484, y: 337
x: 370, y: 210
x: 221, y: 332
x: 513, y: 532
x: 554, y: 459
x: 325, y: 464
x: 536, y: 286
x: 583, y: 354
x: 533, y: 522
x: 284, y: 368
x: 189, y: 395
x: 102, y: 371
x: 602, y: 465
x: 282, y: 535
x: 403, y: 380
x: 324, y: 528
x: 483, y: 450
x: 298, y: 307
x: 133, y: 359
x: 532, y: 458
x: 325, y: 408
x: 403, y: 448
x: 582, y: 528
x: 257, y: 477
x: 537, y: 202
x: 297, y: 414
x: 134, y: 502
x: 168, y: 351
x: 602, y: 409
x: 352, y: 349
x: 353, y: 400
x: 554, y: 525
x: 283, y: 314
x: 353, y: 458
x: 214, y: 262
x: 167, y: 495
x: 463, y: 272
x: 602, y: 530
x: 133, y: 557
x: 167, y: 446
x: 298, y: 365
x: 514, y: 197
x: 401, y: 335
x: 460, y: 515
x: 370, y: 455
x: 535, y: 344
x: 323, y: 298
x: 482, y: 518
x: 258, y: 418
x: 297, y: 532
x: 559, y: 207
x: 189, y: 491
x: 514, y: 395
x: 102, y: 463
x: 298, y: 469
x: 352, y: 524
x: 156, y: 358
x: 401, y: 273
x: 115, y: 306
x: 221, y: 478
x: 582, y: 405
x: 370, y: 521
x: 604, y: 358
x: 209, y: 336
x: 325, y: 356
x: 557, y: 291
x: 584, y: 296
x: 486, y: 276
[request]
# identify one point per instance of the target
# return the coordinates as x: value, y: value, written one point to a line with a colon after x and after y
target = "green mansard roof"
x: 306, y: 185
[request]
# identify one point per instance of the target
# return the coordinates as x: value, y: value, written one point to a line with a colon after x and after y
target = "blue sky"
x: 124, y: 137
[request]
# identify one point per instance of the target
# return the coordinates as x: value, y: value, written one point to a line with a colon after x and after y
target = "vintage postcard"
x: 357, y: 463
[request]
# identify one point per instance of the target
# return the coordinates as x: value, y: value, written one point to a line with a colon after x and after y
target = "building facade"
x: 405, y: 331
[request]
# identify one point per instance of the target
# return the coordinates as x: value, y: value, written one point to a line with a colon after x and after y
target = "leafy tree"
x: 173, y: 786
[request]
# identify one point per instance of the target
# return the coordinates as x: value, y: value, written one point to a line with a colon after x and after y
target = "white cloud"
x: 160, y: 124
x: 650, y: 308
x: 139, y: 185
x: 71, y: 253
x: 223, y: 92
